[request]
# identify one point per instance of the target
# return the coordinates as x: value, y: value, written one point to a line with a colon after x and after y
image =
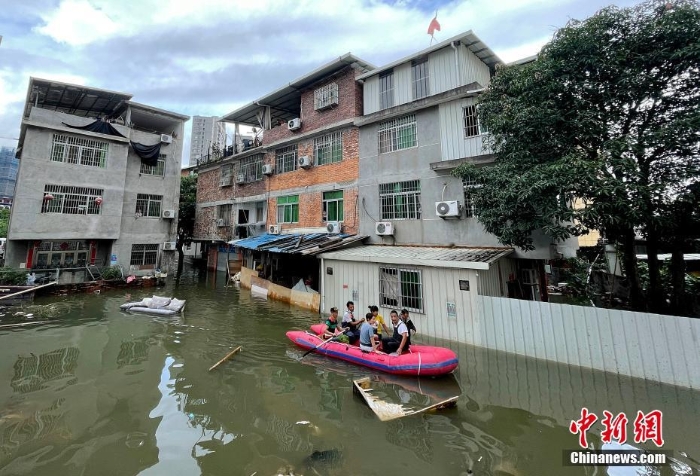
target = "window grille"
x: 223, y: 212
x: 469, y: 184
x: 333, y: 205
x: 79, y: 151
x: 471, y: 123
x: 226, y: 173
x: 386, y: 90
x: 397, y: 134
x: 286, y: 159
x: 144, y: 254
x: 401, y: 288
x: 148, y: 205
x: 328, y: 149
x: 400, y: 200
x: 62, y: 254
x: 288, y: 209
x: 326, y: 96
x: 251, y: 168
x: 71, y: 200
x: 420, y: 72
x: 158, y: 169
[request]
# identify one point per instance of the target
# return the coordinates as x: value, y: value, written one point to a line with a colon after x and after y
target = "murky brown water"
x: 101, y: 392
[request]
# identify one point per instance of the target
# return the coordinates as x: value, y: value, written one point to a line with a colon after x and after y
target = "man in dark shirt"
x: 407, y: 320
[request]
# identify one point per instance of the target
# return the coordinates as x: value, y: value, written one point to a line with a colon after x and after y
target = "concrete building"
x: 208, y: 136
x: 95, y: 191
x: 8, y: 176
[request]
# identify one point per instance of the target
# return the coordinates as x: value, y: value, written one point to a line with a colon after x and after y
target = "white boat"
x: 159, y: 305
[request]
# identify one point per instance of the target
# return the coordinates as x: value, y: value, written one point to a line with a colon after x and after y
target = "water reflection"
x: 34, y: 371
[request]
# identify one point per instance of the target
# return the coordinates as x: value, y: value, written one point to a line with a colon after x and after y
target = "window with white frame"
x: 286, y: 159
x: 251, y: 168
x: 328, y: 149
x: 148, y: 205
x: 386, y: 90
x: 333, y: 205
x: 400, y: 200
x: 397, y: 134
x: 71, y: 200
x: 62, y: 254
x: 223, y: 214
x: 326, y: 96
x: 401, y: 288
x: 79, y: 151
x: 226, y: 173
x: 470, y: 119
x: 144, y: 255
x: 419, y: 71
x: 158, y: 169
x: 469, y: 184
x: 288, y: 209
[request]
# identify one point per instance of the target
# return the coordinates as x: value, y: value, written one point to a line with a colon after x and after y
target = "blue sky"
x: 212, y: 56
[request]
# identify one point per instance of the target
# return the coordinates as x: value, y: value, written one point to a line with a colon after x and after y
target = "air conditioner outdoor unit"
x: 268, y: 169
x: 240, y: 178
x: 220, y: 222
x: 333, y: 227
x: 384, y: 228
x: 274, y: 229
x: 449, y: 208
x: 166, y: 139
x: 294, y: 124
x: 169, y: 246
x: 305, y: 162
x: 168, y: 214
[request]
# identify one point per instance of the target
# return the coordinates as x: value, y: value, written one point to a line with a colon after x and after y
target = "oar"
x: 319, y: 345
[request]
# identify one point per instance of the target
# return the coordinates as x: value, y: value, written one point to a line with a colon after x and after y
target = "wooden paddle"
x: 228, y: 356
x: 319, y: 345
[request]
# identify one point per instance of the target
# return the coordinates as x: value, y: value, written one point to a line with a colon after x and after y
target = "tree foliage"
x: 4, y: 221
x: 608, y: 114
x: 186, y: 214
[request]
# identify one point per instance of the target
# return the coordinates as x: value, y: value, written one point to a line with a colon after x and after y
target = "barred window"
x: 328, y: 149
x: 223, y: 213
x: 286, y: 159
x: 79, y: 151
x: 158, y: 169
x: 71, y: 200
x: 401, y: 288
x: 400, y: 200
x: 397, y: 134
x: 386, y: 90
x: 419, y: 70
x: 471, y: 123
x: 144, y: 255
x: 333, y: 206
x: 288, y: 209
x: 62, y: 254
x: 326, y: 96
x: 226, y: 173
x: 251, y: 168
x: 469, y: 184
x: 148, y: 205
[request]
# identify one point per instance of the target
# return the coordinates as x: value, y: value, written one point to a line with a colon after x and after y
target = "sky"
x: 209, y: 57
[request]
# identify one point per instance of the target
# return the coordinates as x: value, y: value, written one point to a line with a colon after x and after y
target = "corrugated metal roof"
x: 304, y: 244
x: 456, y: 257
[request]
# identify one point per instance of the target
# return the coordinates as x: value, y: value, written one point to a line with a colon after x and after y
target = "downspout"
x: 457, y: 71
x: 323, y: 287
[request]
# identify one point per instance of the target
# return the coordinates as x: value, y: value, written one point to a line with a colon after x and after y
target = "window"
x: 288, y: 209
x: 62, y: 254
x: 419, y: 70
x: 326, y: 96
x: 158, y: 169
x: 386, y: 90
x: 79, y: 151
x: 226, y: 172
x: 333, y: 206
x: 286, y: 159
x: 470, y: 118
x: 148, y: 205
x: 397, y: 134
x: 251, y: 168
x: 144, y: 255
x: 328, y: 149
x: 400, y: 200
x: 400, y: 287
x: 260, y: 212
x: 223, y: 213
x: 469, y: 184
x: 71, y: 200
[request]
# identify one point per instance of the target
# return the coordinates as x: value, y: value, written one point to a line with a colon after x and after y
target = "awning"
x: 303, y: 244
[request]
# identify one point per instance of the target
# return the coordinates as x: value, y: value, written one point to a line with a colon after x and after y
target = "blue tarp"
x: 291, y: 243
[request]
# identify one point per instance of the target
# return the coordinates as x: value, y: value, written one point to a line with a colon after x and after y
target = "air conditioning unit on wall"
x: 448, y: 208
x: 166, y: 139
x: 240, y: 178
x: 168, y: 214
x: 274, y: 229
x: 384, y: 228
x: 220, y: 222
x: 268, y: 169
x: 305, y: 162
x: 294, y: 124
x: 169, y: 246
x: 333, y: 227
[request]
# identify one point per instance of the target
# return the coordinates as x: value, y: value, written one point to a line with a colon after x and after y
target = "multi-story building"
x: 8, y: 176
x: 98, y: 181
x: 208, y: 138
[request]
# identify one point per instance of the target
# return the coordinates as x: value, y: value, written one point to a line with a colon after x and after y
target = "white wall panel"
x: 452, y: 141
x: 472, y: 68
x: 443, y: 72
x: 370, y: 95
x: 403, y: 84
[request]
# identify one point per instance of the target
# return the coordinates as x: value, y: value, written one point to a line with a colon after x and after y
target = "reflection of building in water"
x: 133, y: 352
x: 21, y: 430
x: 31, y: 373
x: 412, y: 434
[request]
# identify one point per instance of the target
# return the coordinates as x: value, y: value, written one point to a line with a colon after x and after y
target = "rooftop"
x: 297, y: 243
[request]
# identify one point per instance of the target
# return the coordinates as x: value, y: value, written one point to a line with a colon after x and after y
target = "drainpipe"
x: 457, y: 71
x: 323, y: 286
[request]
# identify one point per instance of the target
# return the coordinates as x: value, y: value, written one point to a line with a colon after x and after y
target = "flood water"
x: 96, y: 391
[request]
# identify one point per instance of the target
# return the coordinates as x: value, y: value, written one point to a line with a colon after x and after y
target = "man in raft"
x: 401, y: 340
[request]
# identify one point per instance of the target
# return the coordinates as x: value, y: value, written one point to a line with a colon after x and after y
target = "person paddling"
x: 332, y: 327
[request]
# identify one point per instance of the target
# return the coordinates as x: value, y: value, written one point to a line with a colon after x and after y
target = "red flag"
x: 434, y: 25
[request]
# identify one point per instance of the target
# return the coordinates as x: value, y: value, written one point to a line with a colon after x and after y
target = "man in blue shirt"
x: 368, y: 342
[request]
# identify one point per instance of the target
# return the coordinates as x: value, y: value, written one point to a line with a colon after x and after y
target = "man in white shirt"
x: 401, y: 340
x: 350, y: 324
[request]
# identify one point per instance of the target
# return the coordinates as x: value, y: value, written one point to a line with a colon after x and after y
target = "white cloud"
x: 77, y: 23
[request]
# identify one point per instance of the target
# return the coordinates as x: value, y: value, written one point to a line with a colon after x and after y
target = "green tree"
x: 186, y: 216
x: 609, y: 113
x: 4, y: 221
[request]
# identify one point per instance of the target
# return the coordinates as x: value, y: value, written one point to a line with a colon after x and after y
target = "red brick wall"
x: 311, y: 211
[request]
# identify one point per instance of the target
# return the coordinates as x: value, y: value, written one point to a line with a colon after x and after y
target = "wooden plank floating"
x: 387, y: 411
x: 30, y: 290
x: 228, y: 356
x: 22, y: 324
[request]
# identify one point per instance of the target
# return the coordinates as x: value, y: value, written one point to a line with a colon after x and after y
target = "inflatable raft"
x: 157, y: 305
x: 420, y: 360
